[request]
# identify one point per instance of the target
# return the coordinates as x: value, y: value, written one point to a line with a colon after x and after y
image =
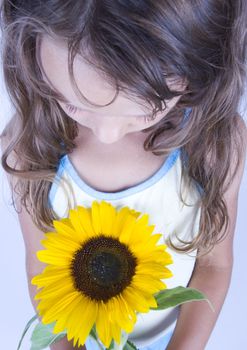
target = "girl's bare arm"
x: 32, y: 236
x: 196, y: 320
x: 212, y: 276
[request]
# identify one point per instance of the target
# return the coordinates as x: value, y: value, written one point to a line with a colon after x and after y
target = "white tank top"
x: 157, y: 196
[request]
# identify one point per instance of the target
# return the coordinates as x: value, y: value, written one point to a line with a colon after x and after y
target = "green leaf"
x: 111, y: 347
x: 26, y: 329
x: 93, y: 332
x: 130, y: 346
x: 179, y: 295
x: 42, y: 336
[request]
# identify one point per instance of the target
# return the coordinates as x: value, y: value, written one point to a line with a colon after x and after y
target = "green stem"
x: 26, y: 329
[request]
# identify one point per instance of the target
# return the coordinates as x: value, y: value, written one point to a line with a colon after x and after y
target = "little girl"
x: 134, y: 103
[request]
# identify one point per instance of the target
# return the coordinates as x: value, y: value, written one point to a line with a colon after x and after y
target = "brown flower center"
x: 102, y: 268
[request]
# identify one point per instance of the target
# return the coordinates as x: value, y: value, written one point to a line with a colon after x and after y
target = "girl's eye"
x: 146, y: 118
x: 71, y: 109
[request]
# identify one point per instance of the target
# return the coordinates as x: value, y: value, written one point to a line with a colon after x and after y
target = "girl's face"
x: 108, y: 124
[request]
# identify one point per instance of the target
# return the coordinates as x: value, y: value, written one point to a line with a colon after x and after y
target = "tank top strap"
x: 187, y: 113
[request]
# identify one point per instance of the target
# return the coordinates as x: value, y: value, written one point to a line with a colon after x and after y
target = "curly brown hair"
x: 203, y: 41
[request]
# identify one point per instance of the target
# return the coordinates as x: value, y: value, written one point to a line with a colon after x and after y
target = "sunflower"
x: 103, y: 267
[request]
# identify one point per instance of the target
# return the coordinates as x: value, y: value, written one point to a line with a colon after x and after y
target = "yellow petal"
x: 62, y: 321
x: 58, y: 307
x: 81, y: 320
x: 136, y: 299
x: 127, y: 230
x: 155, y: 238
x: 107, y: 217
x: 119, y: 222
x: 142, y: 235
x: 55, y: 289
x: 116, y: 332
x: 146, y: 254
x: 80, y: 233
x: 148, y: 283
x: 111, y: 310
x: 60, y: 243
x: 150, y: 240
x: 143, y: 220
x: 131, y: 315
x: 124, y: 315
x: 95, y: 212
x: 55, y: 257
x: 48, y: 277
x: 152, y: 301
x: 86, y: 221
x: 155, y: 269
x: 102, y: 325
x: 64, y: 227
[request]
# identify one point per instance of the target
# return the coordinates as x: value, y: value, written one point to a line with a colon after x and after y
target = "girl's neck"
x: 114, y: 167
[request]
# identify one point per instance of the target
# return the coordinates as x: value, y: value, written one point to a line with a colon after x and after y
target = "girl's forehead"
x: 91, y: 83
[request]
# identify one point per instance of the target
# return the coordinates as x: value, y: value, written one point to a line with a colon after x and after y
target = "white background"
x: 230, y: 331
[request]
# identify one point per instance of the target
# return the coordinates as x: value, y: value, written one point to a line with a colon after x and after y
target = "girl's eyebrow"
x: 63, y: 99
